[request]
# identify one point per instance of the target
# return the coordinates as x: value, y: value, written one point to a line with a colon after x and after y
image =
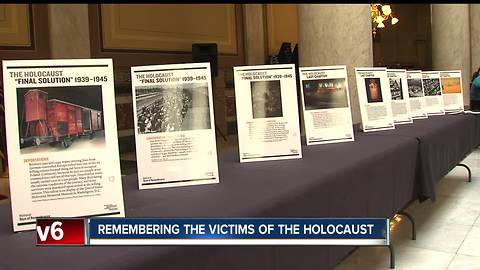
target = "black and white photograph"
x: 415, y: 88
x: 266, y: 99
x: 374, y: 90
x: 52, y: 119
x: 432, y: 87
x: 325, y: 94
x: 170, y: 108
x: 396, y: 88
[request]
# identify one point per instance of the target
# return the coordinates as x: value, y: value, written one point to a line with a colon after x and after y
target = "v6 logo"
x: 56, y: 232
x: 61, y: 231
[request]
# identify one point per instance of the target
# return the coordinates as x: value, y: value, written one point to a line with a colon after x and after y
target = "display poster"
x: 452, y: 90
x: 416, y: 94
x: 433, y: 93
x: 326, y: 104
x: 174, y: 125
x: 267, y: 112
x: 400, y: 99
x: 62, y: 140
x: 374, y: 98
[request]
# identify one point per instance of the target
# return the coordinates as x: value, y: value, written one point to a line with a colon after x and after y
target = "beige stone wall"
x: 254, y: 34
x: 69, y: 30
x: 328, y: 39
x: 475, y: 36
x: 451, y: 41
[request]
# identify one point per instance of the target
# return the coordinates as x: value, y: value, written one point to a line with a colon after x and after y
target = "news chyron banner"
x: 267, y: 112
x: 416, y: 94
x: 400, y: 98
x: 326, y: 104
x: 214, y: 231
x: 174, y: 125
x: 452, y: 90
x: 433, y: 93
x: 62, y: 139
x: 374, y: 98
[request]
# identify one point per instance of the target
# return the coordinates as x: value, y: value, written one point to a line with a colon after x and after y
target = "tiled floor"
x: 448, y: 230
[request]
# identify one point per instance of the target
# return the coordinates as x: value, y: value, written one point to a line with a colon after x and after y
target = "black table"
x: 444, y: 141
x: 371, y: 177
x: 477, y: 129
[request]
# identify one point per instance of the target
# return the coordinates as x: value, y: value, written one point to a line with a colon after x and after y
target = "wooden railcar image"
x: 55, y: 121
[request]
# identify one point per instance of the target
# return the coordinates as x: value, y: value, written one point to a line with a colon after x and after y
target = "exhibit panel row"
x: 267, y: 113
x: 416, y: 94
x: 326, y: 105
x: 375, y: 99
x: 400, y: 98
x: 433, y: 93
x: 62, y: 140
x: 174, y: 126
x: 62, y: 130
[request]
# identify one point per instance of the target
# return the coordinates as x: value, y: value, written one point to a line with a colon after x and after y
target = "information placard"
x: 62, y: 139
x: 452, y: 90
x: 400, y: 98
x: 267, y: 112
x: 326, y: 104
x: 374, y: 98
x: 174, y: 125
x: 416, y: 94
x: 433, y: 93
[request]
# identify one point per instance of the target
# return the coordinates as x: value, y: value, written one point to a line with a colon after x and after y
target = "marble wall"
x: 451, y: 41
x: 254, y: 34
x: 69, y: 30
x: 336, y: 34
x: 475, y: 36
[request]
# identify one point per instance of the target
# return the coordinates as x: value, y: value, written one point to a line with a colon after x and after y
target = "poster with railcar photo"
x: 267, y: 112
x: 452, y: 90
x: 433, y: 93
x: 400, y: 98
x: 174, y: 125
x: 416, y: 94
x: 326, y: 105
x: 62, y: 140
x: 60, y: 119
x: 374, y: 98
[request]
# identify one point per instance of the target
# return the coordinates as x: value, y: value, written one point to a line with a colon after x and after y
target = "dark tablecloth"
x: 371, y: 177
x: 477, y: 129
x: 444, y: 141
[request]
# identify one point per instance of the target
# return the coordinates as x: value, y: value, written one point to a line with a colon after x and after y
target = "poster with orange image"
x: 452, y: 90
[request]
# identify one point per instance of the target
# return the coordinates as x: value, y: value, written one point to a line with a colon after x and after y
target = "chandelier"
x: 380, y: 14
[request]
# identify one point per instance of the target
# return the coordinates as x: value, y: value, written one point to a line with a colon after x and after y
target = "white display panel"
x: 400, y: 99
x: 174, y: 125
x: 326, y: 104
x: 433, y: 93
x: 267, y: 112
x: 62, y: 140
x: 374, y: 98
x: 452, y: 90
x: 416, y: 94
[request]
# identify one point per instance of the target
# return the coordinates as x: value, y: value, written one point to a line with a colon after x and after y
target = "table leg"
x: 409, y: 217
x: 468, y: 169
x: 392, y: 256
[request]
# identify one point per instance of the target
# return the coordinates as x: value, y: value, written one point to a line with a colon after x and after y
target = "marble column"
x: 451, y: 41
x: 475, y: 36
x: 336, y: 34
x: 69, y: 30
x: 254, y: 34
